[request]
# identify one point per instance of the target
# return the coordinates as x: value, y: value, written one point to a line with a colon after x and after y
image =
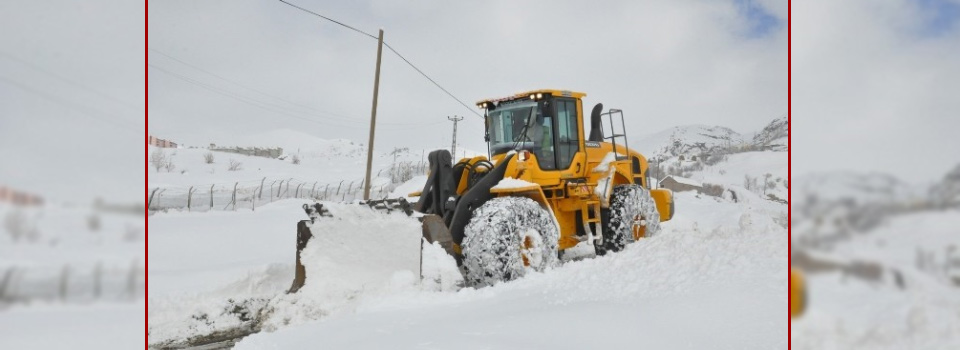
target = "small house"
x: 680, y: 184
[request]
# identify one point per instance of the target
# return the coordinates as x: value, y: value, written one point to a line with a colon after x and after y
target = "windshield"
x: 506, y: 126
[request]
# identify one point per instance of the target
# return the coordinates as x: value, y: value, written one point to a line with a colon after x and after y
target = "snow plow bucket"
x: 432, y: 227
x: 435, y: 230
x: 300, y: 275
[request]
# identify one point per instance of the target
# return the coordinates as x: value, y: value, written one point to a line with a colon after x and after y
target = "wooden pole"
x: 373, y: 118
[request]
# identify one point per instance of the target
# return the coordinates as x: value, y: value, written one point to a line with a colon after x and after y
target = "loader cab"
x: 543, y: 122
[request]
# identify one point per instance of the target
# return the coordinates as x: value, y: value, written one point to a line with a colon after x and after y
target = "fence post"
x: 260, y: 195
x: 313, y: 191
x: 234, y: 198
x: 338, y: 186
x: 64, y: 277
x: 7, y: 281
x: 97, y: 280
x: 132, y: 279
x: 189, y: 197
x: 325, y: 191
x: 297, y: 195
x: 271, y: 190
x: 349, y: 187
x: 211, y: 197
x: 150, y: 201
x: 287, y: 190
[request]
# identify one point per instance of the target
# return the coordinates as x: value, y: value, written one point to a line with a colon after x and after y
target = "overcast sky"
x: 876, y: 87
x: 223, y: 68
x: 71, y: 99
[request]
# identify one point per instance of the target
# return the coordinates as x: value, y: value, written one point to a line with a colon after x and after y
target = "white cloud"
x: 663, y: 62
x: 871, y: 93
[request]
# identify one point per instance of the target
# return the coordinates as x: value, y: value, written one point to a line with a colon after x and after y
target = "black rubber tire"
x: 627, y: 203
x: 493, y: 244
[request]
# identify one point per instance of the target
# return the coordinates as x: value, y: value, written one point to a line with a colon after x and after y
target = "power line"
x: 241, y: 98
x: 238, y: 84
x: 86, y: 110
x: 332, y: 115
x: 258, y: 103
x: 391, y: 49
x: 374, y: 37
x: 68, y: 81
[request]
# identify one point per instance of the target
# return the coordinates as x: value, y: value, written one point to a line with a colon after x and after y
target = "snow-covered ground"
x: 68, y: 274
x: 715, y: 277
x: 920, y: 311
x: 323, y: 161
x: 73, y: 326
x: 708, y: 281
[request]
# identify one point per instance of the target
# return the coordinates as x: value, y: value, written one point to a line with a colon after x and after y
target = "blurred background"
x: 72, y: 174
x: 876, y: 173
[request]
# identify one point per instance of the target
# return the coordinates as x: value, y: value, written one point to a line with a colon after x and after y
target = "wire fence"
x: 72, y: 282
x: 248, y: 195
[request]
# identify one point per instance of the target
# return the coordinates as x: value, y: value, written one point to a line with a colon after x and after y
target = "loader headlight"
x: 533, y: 96
x: 539, y: 96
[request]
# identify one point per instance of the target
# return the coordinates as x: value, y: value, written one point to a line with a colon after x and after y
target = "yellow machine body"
x: 583, y: 187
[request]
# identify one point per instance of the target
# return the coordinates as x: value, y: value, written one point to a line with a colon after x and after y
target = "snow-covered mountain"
x: 696, y: 140
x: 688, y: 140
x: 774, y: 136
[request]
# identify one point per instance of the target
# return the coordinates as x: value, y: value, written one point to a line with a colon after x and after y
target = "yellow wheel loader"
x: 548, y: 185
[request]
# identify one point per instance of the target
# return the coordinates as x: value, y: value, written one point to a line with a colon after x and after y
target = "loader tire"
x: 507, y: 236
x: 632, y: 215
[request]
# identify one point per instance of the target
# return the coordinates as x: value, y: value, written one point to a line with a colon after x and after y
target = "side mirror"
x: 546, y: 108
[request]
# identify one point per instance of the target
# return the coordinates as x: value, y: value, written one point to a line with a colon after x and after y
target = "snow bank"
x: 57, y: 326
x: 711, y: 279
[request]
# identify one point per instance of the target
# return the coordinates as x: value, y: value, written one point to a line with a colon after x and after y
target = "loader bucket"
x: 435, y: 230
x: 300, y: 275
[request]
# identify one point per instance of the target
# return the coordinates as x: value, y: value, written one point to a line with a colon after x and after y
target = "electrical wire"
x: 69, y: 81
x: 342, y: 118
x: 391, y: 49
x: 85, y: 110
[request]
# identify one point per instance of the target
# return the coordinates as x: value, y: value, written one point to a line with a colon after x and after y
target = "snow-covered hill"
x: 774, y: 136
x: 687, y: 140
x: 699, y: 140
x: 882, y: 262
x: 320, y: 162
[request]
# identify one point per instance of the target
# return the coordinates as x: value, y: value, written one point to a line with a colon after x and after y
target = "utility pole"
x: 373, y: 118
x: 453, y: 148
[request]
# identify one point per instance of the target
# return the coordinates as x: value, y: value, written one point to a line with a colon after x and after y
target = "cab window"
x: 568, y: 132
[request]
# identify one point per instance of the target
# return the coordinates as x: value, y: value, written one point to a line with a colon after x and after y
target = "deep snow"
x: 715, y: 277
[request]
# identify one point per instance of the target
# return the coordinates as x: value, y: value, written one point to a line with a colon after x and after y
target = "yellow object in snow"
x: 798, y: 293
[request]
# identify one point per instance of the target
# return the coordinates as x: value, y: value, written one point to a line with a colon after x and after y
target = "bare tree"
x: 235, y: 165
x: 768, y: 183
x: 208, y: 158
x: 295, y: 159
x: 159, y: 159
x: 169, y: 166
